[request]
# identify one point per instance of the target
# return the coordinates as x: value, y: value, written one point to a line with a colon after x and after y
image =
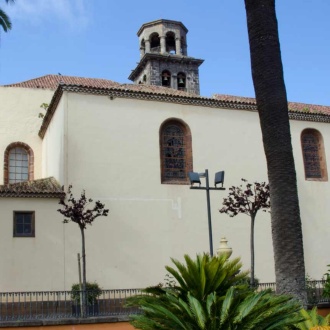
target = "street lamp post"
x: 219, y: 178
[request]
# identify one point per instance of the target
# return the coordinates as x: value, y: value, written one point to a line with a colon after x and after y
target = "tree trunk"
x: 267, y: 73
x: 84, y: 298
x: 253, y: 217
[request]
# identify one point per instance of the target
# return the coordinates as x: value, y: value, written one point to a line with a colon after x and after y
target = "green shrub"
x: 312, y: 319
x: 326, y: 288
x: 92, y: 292
x: 212, y: 293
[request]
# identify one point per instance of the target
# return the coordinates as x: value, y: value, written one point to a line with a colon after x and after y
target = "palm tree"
x: 267, y: 74
x: 210, y: 295
x: 5, y: 22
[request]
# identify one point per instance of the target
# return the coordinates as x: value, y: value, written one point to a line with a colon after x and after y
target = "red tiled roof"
x: 155, y: 89
x: 293, y: 106
x: 51, y: 81
x: 43, y: 188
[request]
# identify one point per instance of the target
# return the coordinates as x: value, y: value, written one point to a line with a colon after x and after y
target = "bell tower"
x: 164, y: 60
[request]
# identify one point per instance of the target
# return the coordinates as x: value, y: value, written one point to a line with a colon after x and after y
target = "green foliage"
x: 5, y: 22
x: 311, y: 290
x: 326, y: 288
x: 312, y: 319
x: 247, y: 281
x: 45, y: 107
x: 205, y: 275
x: 211, y: 295
x: 92, y: 292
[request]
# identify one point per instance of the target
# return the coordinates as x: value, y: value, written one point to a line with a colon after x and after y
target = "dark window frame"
x: 30, y: 234
x: 313, y: 155
x: 187, y: 158
x: 183, y: 86
x: 166, y: 78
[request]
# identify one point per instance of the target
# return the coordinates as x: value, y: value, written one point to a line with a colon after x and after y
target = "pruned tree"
x: 248, y: 199
x: 76, y: 210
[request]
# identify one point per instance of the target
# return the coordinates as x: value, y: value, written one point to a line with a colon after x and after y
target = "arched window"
x: 166, y: 78
x: 154, y: 43
x: 181, y: 81
x: 313, y: 155
x: 170, y: 43
x: 175, y: 152
x: 18, y: 163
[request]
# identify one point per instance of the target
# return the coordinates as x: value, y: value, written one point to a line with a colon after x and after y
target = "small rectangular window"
x: 24, y: 224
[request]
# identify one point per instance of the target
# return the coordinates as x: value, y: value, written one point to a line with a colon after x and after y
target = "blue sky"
x: 97, y: 38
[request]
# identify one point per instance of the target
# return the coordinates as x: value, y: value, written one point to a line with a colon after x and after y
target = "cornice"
x: 192, y: 100
x: 162, y: 58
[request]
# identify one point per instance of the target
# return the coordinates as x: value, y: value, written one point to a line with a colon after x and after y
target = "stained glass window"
x: 313, y: 154
x: 175, y: 154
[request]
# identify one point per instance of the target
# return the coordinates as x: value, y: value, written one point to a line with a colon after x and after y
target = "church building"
x: 131, y: 146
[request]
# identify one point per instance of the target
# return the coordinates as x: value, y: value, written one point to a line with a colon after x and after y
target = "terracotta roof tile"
x: 42, y: 188
x: 51, y: 81
x: 293, y: 106
x: 155, y: 89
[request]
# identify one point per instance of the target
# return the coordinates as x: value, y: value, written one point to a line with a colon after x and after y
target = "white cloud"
x: 68, y: 13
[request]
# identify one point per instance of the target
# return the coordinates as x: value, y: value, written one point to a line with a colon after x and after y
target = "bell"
x: 181, y: 82
x: 165, y: 78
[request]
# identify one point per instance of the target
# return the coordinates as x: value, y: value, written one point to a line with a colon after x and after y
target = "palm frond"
x: 226, y: 305
x: 197, y: 311
x: 211, y: 295
x: 5, y: 22
x: 312, y: 319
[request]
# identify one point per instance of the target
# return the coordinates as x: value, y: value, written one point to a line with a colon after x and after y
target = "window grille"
x: 18, y: 165
x: 24, y: 224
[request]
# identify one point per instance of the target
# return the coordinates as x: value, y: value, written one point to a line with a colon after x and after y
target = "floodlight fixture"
x: 219, y: 178
x: 194, y: 178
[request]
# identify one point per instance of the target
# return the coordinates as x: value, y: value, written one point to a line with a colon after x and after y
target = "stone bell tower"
x: 164, y: 60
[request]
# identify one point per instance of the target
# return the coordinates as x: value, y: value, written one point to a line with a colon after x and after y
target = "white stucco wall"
x: 54, y: 145
x: 116, y: 145
x: 19, y: 110
x: 110, y: 148
x: 113, y: 153
x: 314, y: 205
x: 32, y: 263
